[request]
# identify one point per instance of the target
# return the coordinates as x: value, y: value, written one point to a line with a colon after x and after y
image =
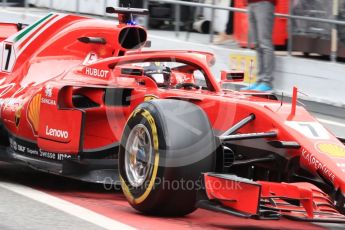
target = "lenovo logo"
x: 56, y: 133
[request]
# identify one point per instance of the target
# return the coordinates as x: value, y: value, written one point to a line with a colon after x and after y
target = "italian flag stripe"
x: 30, y: 28
x: 33, y: 34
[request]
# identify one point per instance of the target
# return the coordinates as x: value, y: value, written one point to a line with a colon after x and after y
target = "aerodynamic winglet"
x: 126, y: 14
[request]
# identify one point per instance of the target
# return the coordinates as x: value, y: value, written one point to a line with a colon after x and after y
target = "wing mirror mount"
x: 231, y: 77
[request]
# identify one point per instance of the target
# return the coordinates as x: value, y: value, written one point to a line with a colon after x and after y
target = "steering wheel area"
x: 174, y: 78
x: 186, y: 85
x: 159, y: 74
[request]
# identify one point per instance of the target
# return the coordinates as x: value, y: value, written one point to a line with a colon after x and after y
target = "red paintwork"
x: 7, y: 29
x: 238, y: 195
x: 115, y: 206
x: 293, y: 103
x: 249, y: 197
x: 36, y: 95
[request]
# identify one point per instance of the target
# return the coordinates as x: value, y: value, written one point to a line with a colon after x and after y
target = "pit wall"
x: 317, y: 80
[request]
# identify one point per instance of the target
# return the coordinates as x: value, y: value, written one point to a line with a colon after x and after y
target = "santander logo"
x: 56, y: 133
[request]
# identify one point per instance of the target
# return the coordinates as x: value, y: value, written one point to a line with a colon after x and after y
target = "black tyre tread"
x: 4, y: 141
x: 178, y: 141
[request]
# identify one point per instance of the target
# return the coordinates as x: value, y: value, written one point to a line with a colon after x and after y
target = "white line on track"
x: 65, y: 206
x: 325, y: 121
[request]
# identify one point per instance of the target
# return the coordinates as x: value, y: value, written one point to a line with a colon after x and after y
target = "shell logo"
x: 333, y: 150
x: 34, y: 112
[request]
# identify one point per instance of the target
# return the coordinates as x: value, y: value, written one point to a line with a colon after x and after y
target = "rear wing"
x: 126, y: 14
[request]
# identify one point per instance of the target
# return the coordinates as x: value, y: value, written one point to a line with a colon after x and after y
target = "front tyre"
x: 165, y: 147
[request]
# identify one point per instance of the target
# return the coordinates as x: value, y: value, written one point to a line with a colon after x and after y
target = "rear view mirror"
x: 148, y: 44
x: 232, y: 76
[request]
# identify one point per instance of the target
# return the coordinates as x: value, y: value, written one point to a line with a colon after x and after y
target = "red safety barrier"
x: 280, y: 33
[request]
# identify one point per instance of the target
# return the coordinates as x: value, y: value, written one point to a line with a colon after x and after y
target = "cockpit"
x: 167, y: 74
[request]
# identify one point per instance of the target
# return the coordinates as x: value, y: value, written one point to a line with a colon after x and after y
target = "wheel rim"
x: 138, y: 155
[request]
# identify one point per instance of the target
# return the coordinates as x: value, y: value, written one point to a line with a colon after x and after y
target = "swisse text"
x: 97, y: 72
x: 56, y: 133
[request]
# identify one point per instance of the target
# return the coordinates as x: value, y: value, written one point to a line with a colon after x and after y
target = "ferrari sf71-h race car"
x: 80, y: 98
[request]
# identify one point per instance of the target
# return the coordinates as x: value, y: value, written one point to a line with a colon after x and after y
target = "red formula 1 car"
x: 79, y: 98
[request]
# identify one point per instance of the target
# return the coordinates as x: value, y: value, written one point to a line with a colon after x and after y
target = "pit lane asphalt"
x: 17, y: 211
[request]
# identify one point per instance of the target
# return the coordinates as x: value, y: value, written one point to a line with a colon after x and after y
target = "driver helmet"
x: 159, y: 72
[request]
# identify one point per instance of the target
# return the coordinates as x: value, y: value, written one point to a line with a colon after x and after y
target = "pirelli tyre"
x: 165, y: 147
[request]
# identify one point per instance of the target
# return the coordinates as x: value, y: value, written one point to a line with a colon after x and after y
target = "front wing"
x: 267, y: 200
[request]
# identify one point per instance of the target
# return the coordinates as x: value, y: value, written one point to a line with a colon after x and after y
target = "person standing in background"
x: 261, y: 21
x: 227, y: 35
